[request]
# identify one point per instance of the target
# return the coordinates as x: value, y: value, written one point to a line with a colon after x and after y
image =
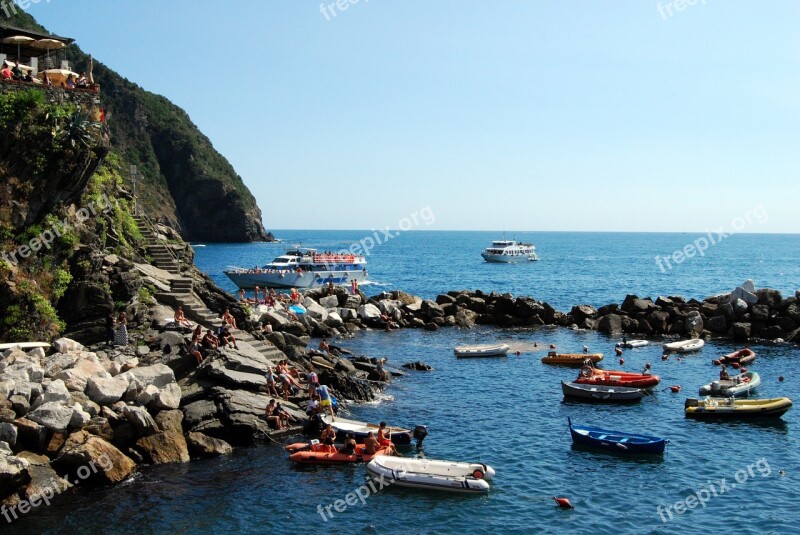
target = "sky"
x: 506, y: 115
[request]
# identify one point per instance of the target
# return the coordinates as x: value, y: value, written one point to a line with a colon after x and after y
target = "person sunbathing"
x: 371, y: 445
x: 181, y: 320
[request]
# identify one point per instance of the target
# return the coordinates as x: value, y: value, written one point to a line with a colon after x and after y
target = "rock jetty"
x: 744, y: 314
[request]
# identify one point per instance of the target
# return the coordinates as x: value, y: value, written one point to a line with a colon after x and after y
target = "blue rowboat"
x: 616, y: 441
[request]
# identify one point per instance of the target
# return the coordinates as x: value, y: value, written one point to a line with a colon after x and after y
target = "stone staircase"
x: 181, y: 293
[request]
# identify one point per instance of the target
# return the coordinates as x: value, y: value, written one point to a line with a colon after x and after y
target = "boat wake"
x: 373, y: 283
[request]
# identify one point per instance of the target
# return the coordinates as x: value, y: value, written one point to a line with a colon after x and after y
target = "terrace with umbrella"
x: 37, y: 52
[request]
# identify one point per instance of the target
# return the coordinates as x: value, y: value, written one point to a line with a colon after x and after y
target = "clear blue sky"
x: 504, y: 115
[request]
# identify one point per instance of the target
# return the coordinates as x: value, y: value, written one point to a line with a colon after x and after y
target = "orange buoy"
x: 735, y: 365
x: 675, y: 388
x: 715, y: 362
x: 622, y: 361
x: 477, y: 474
x: 780, y: 378
x: 563, y: 503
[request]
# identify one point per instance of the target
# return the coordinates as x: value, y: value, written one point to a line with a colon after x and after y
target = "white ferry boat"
x: 302, y: 268
x: 509, y: 251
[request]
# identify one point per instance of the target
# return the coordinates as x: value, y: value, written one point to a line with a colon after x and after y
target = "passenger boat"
x: 343, y: 426
x: 509, y: 252
x: 465, y: 478
x: 496, y: 350
x: 322, y: 454
x: 615, y: 441
x: 743, y: 356
x: 592, y: 376
x: 571, y: 359
x: 302, y: 268
x: 685, y: 346
x: 738, y: 385
x: 601, y: 393
x: 736, y: 409
x: 631, y: 344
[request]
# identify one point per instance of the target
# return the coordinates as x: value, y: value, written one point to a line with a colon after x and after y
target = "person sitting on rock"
x: 225, y: 337
x: 197, y: 334
x: 273, y: 418
x: 271, y: 386
x: 82, y: 81
x: 723, y: 374
x: 294, y: 296
x: 281, y: 413
x: 324, y: 347
x: 181, y: 320
x: 228, y: 318
x: 313, y: 406
x: 210, y: 341
x: 371, y: 444
x: 266, y: 328
x: 194, y: 350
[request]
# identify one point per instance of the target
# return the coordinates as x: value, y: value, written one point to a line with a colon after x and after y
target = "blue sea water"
x: 507, y: 412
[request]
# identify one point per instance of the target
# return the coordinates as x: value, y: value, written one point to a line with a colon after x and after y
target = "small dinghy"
x: 592, y: 376
x: 449, y: 476
x: 736, y: 409
x: 496, y: 350
x: 571, y: 359
x: 745, y: 357
x: 615, y: 441
x: 631, y: 344
x: 738, y: 385
x: 685, y: 346
x: 601, y: 393
x: 304, y: 453
x: 399, y: 436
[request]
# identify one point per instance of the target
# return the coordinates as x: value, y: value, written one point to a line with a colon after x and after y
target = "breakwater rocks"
x: 741, y: 315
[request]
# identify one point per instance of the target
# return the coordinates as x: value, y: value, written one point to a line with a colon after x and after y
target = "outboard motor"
x: 420, y: 432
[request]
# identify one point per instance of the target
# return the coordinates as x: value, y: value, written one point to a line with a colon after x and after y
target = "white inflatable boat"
x: 468, y: 478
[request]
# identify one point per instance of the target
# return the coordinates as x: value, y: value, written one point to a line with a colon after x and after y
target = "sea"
x: 505, y: 412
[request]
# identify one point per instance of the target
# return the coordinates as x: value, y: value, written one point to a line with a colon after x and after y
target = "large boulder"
x: 201, y: 445
x: 65, y: 345
x: 13, y: 473
x: 160, y: 376
x: 140, y: 419
x: 315, y: 310
x: 610, y: 324
x: 30, y: 435
x: 53, y: 415
x: 431, y: 310
x: 465, y: 317
x: 771, y: 298
x: 163, y: 448
x: 659, y: 321
x: 106, y: 391
x: 693, y: 324
x: 199, y: 411
x: 369, y: 312
x: 582, y: 312
x: 56, y: 392
x: 718, y: 324
x: 740, y: 332
x: 82, y: 448
x: 744, y: 294
x: 8, y: 433
x: 740, y: 307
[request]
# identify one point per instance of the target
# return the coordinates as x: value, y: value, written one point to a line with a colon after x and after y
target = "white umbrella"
x: 18, y: 40
x: 48, y: 44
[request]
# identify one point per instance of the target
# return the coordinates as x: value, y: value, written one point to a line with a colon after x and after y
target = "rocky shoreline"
x: 742, y: 315
x: 116, y: 409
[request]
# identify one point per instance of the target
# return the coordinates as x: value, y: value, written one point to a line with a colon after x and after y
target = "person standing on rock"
x: 121, y: 337
x: 271, y: 387
x: 241, y: 294
x: 111, y: 323
x: 313, y: 380
x: 325, y: 399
